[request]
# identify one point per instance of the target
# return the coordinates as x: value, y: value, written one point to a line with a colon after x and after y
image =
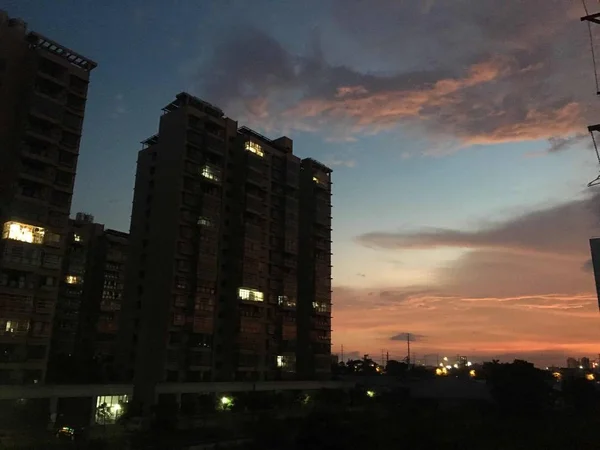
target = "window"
x: 210, y: 173
x: 77, y: 238
x: 204, y: 221
x: 285, y: 301
x: 8, y: 326
x: 109, y: 408
x: 321, y: 307
x: 23, y: 232
x: 52, y: 239
x: 255, y: 148
x: 73, y: 279
x: 251, y: 295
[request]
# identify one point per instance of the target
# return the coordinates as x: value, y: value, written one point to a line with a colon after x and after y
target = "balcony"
x: 37, y: 172
x: 41, y: 153
x: 70, y: 141
x: 46, y: 109
x: 50, y: 89
x: 43, y: 130
x: 79, y: 86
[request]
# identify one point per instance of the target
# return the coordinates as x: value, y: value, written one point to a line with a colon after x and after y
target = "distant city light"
x: 445, y: 358
x: 581, y: 367
x: 469, y: 363
x: 455, y: 365
x: 448, y: 367
x: 557, y: 375
x: 589, y: 377
x: 472, y: 373
x: 370, y: 394
x: 225, y: 401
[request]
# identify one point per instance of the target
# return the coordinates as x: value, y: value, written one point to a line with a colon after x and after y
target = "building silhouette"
x: 89, y: 303
x: 229, y: 275
x: 43, y: 91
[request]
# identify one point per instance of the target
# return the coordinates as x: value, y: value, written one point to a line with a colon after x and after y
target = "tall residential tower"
x: 43, y: 90
x: 229, y: 275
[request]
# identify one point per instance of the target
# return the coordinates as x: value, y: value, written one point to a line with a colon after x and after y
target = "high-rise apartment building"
x: 43, y: 90
x: 222, y: 284
x: 89, y: 301
x: 595, y: 252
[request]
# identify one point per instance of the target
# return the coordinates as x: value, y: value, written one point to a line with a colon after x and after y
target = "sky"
x: 456, y: 131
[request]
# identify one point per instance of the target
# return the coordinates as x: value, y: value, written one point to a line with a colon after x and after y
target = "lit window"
x: 321, y: 307
x: 280, y: 361
x: 14, y: 326
x: 254, y: 148
x: 316, y: 180
x: 73, y: 279
x: 23, y: 232
x: 204, y: 221
x: 77, y: 238
x: 284, y: 300
x: 109, y: 408
x: 210, y: 173
x: 251, y: 295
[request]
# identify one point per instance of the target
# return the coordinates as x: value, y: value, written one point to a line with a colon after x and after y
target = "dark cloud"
x: 560, y: 231
x: 472, y: 71
x: 407, y: 336
x: 558, y: 144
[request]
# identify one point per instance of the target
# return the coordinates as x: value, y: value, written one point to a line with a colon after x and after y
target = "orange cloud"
x: 523, y: 290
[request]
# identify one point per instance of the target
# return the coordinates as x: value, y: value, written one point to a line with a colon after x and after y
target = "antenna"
x: 593, y: 18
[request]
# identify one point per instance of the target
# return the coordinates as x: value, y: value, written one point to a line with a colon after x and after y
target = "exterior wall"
x: 89, y: 301
x: 42, y: 104
x: 595, y: 251
x: 314, y: 297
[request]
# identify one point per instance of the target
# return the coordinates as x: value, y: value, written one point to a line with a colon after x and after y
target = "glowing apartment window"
x: 280, y: 361
x: 73, y: 279
x: 77, y: 238
x: 321, y: 307
x: 23, y: 232
x: 284, y: 300
x: 251, y: 295
x: 254, y: 148
x: 210, y: 173
x: 204, y: 221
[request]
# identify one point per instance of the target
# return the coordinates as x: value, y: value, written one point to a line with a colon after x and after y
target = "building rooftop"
x: 183, y: 98
x: 318, y: 164
x: 36, y: 40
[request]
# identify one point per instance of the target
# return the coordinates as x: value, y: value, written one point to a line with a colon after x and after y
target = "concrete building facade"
x: 89, y: 302
x: 216, y: 256
x: 43, y: 91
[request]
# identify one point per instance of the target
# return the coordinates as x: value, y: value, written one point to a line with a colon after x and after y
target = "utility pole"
x: 342, y: 352
x: 408, y: 348
x: 387, y: 358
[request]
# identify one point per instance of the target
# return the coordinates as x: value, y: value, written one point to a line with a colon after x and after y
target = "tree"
x: 518, y: 387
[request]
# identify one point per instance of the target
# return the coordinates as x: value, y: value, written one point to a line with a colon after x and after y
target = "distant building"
x: 43, y: 93
x: 585, y: 363
x: 90, y: 295
x: 572, y: 363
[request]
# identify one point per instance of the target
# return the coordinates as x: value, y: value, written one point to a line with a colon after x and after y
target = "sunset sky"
x: 456, y: 131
